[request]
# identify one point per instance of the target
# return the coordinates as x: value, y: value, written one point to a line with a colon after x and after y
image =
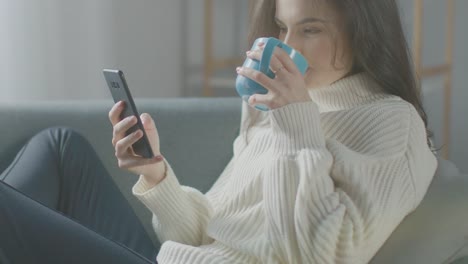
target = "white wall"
x: 434, y: 54
x: 54, y: 49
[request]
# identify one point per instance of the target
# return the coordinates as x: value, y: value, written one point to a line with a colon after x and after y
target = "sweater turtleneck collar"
x: 357, y: 89
x: 346, y: 93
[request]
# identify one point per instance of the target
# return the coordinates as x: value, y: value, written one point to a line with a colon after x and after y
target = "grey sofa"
x: 196, y: 137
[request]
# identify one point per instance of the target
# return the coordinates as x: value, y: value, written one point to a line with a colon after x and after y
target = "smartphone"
x: 120, y: 92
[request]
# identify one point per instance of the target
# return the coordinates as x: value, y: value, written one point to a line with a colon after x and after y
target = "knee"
x: 62, y: 136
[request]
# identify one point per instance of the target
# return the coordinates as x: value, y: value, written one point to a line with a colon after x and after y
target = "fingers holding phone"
x: 123, y: 141
x: 135, y: 138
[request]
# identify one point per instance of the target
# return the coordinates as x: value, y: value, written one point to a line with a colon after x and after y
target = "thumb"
x: 151, y: 131
x: 148, y: 122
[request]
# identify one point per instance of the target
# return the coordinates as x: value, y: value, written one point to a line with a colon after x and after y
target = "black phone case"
x: 120, y: 92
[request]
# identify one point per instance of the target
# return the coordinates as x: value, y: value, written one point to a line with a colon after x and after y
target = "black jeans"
x: 58, y: 204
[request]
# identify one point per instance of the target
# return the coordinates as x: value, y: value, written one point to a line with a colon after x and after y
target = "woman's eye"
x: 311, y: 31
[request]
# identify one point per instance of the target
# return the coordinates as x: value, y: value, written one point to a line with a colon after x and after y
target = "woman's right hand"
x: 153, y: 170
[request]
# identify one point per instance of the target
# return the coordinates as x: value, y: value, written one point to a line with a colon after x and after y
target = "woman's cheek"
x: 319, y: 54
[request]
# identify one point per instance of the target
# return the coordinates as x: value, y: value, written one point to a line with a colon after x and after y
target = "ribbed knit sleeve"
x: 326, y: 202
x: 180, y: 213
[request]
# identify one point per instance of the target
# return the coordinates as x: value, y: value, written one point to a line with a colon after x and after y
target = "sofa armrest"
x: 437, y: 231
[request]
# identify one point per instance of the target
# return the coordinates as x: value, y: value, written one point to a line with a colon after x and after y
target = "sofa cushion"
x: 437, y: 231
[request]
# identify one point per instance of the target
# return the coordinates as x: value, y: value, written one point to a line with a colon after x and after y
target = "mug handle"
x: 267, y: 53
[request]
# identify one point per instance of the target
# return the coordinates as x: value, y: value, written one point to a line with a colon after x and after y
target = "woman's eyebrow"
x: 303, y: 21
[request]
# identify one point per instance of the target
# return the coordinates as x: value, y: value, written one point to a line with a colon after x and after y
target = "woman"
x: 328, y: 173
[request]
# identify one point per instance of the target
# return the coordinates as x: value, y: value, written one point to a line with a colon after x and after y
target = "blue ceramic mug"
x: 246, y: 87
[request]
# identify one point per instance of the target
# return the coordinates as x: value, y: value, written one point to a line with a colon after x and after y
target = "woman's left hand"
x: 287, y: 87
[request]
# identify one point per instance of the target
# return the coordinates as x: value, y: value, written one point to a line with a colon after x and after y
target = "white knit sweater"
x: 317, y: 182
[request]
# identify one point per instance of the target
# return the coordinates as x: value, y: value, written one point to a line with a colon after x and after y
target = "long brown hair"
x: 376, y: 40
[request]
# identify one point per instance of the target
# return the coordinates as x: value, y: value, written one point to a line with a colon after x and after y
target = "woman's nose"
x: 291, y: 41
